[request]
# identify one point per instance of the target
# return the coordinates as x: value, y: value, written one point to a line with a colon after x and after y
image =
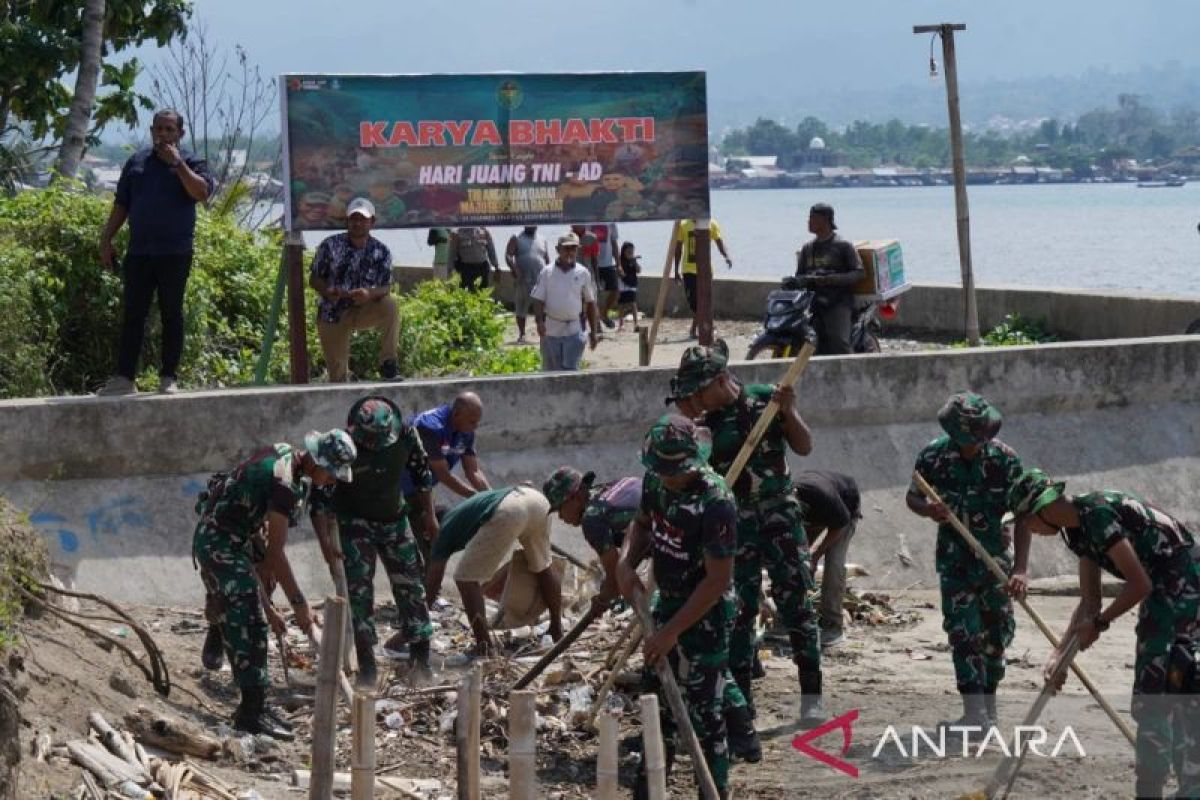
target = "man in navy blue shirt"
x: 157, y: 193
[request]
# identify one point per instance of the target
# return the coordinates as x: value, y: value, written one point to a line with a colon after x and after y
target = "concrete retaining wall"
x: 1071, y: 313
x: 112, y: 482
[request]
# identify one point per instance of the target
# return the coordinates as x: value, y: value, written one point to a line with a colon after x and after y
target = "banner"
x: 449, y: 150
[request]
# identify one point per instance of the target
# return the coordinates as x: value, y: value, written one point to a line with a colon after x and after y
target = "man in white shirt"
x: 564, y: 291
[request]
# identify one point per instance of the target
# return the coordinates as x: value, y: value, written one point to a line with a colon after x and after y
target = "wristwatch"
x: 1100, y: 623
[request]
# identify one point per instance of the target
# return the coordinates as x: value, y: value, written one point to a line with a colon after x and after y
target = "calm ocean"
x: 1099, y: 236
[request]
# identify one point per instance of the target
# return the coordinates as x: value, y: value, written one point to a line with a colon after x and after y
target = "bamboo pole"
x: 634, y: 639
x: 652, y: 749
x: 794, y: 371
x: 362, y: 757
x: 470, y: 698
x: 343, y: 682
x: 606, y: 760
x: 1000, y: 575
x: 324, y: 725
x: 1007, y: 770
x: 559, y: 647
x: 522, y: 745
x: 337, y: 571
x: 683, y: 721
x: 661, y: 302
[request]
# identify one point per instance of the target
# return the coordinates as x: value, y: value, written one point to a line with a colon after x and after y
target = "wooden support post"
x: 970, y: 311
x: 643, y: 346
x: 324, y: 725
x: 522, y: 745
x: 704, y: 280
x: 661, y: 302
x: 470, y: 698
x: 362, y: 758
x: 652, y: 749
x: 606, y: 759
x: 293, y: 254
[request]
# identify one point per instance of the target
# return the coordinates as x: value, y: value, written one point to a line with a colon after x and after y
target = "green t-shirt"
x: 462, y: 522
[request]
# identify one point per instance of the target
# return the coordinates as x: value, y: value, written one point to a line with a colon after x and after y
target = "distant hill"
x: 1064, y: 97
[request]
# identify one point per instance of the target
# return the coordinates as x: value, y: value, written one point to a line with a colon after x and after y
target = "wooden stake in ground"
x: 470, y: 700
x: 1000, y: 575
x: 362, y: 758
x: 661, y: 302
x: 337, y: 571
x: 607, y: 785
x: 683, y: 722
x: 559, y: 647
x: 324, y: 725
x: 652, y: 749
x: 522, y: 745
x: 343, y: 682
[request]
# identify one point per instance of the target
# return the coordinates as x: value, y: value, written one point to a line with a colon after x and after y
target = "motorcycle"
x: 789, y: 323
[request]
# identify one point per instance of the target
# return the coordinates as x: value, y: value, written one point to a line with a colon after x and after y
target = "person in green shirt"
x: 484, y: 527
x: 1156, y: 557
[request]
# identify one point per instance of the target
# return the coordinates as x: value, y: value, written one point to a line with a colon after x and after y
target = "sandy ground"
x: 895, y: 673
x: 619, y: 348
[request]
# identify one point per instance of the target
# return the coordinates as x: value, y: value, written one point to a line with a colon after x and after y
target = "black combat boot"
x: 745, y: 682
x: 641, y: 787
x: 989, y: 702
x: 364, y: 648
x: 812, y: 709
x: 251, y: 716
x: 213, y: 652
x: 741, y: 736
x: 974, y: 714
x: 418, y: 662
x: 757, y: 671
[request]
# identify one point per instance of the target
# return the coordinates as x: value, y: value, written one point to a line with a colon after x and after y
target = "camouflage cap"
x: 563, y: 483
x: 969, y: 419
x: 374, y: 423
x: 1032, y: 492
x: 698, y: 367
x: 676, y: 444
x: 333, y: 451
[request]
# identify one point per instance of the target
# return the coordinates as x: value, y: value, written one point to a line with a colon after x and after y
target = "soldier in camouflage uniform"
x: 604, y: 512
x: 770, y: 526
x: 1157, y: 558
x: 686, y: 523
x: 973, y: 472
x: 270, y: 486
x: 372, y: 522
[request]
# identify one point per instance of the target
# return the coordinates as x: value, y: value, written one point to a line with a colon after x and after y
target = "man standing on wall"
x: 157, y: 192
x: 829, y: 265
x: 352, y: 273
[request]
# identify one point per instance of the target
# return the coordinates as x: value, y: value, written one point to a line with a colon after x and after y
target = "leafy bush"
x: 60, y: 311
x: 1015, y: 330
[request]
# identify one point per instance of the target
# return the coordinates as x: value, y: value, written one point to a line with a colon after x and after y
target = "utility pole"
x: 971, y: 312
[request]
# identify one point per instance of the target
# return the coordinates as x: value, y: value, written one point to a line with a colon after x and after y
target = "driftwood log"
x: 171, y: 734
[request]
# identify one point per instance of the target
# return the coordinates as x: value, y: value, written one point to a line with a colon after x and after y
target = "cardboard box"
x: 884, y: 263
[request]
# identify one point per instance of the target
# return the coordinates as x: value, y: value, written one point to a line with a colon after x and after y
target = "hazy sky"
x: 750, y: 49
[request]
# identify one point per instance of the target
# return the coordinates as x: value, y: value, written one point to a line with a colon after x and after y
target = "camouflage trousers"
x: 771, y: 534
x: 700, y: 662
x: 362, y: 540
x: 1168, y: 732
x: 233, y: 603
x: 977, y: 616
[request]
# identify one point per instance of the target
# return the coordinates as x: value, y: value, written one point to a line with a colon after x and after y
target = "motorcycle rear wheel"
x: 773, y: 351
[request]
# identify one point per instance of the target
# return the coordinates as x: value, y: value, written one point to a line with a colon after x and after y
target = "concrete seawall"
x: 1071, y: 313
x: 112, y: 482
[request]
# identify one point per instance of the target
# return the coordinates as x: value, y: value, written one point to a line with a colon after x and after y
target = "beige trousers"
x: 335, y: 336
x: 520, y: 517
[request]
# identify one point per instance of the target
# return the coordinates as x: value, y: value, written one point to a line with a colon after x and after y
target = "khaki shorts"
x: 522, y: 517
